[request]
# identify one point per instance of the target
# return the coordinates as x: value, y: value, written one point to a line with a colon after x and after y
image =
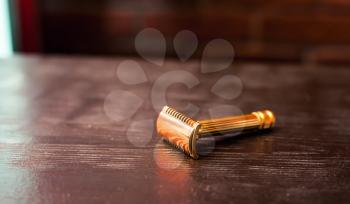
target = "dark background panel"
x: 301, y: 31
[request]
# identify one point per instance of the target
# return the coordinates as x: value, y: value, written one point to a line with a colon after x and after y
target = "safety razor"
x: 183, y: 132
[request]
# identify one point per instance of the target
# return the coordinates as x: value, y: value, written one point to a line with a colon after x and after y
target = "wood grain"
x: 57, y: 145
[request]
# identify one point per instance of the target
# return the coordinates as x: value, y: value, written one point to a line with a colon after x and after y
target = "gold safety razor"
x: 183, y: 132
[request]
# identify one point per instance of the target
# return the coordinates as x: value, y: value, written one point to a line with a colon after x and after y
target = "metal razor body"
x: 183, y: 132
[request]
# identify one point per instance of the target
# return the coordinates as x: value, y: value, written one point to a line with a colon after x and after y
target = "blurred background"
x: 306, y: 31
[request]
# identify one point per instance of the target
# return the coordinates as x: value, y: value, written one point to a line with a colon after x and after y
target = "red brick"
x: 236, y: 26
x: 336, y: 2
x: 307, y: 29
x: 328, y: 54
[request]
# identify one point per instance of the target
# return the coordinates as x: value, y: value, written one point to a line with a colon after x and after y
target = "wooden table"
x: 58, y: 145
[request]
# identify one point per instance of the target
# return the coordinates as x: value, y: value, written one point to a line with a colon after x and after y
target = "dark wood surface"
x: 57, y: 144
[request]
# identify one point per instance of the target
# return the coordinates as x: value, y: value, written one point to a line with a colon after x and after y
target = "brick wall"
x: 289, y: 30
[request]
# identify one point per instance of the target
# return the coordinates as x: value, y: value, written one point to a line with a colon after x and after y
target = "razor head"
x: 179, y: 130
